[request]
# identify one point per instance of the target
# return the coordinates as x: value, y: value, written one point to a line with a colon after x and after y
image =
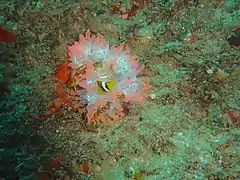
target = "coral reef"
x: 188, y: 128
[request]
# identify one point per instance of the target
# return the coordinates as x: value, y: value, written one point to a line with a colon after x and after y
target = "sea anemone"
x: 107, y: 77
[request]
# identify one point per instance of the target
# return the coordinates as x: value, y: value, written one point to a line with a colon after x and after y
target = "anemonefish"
x: 104, y: 87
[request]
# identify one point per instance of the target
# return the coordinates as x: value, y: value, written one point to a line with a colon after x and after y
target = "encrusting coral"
x: 105, y: 77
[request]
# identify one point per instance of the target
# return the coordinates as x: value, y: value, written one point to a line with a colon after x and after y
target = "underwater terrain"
x: 119, y: 89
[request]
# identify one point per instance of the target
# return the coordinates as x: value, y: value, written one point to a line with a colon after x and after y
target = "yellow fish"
x: 104, y: 87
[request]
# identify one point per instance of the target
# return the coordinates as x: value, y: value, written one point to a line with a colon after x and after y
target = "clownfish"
x: 104, y: 87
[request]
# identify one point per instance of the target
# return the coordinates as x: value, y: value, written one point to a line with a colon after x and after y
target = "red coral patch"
x: 6, y: 36
x: 62, y: 73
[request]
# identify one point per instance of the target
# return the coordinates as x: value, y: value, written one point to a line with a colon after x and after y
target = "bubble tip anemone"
x: 117, y: 64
